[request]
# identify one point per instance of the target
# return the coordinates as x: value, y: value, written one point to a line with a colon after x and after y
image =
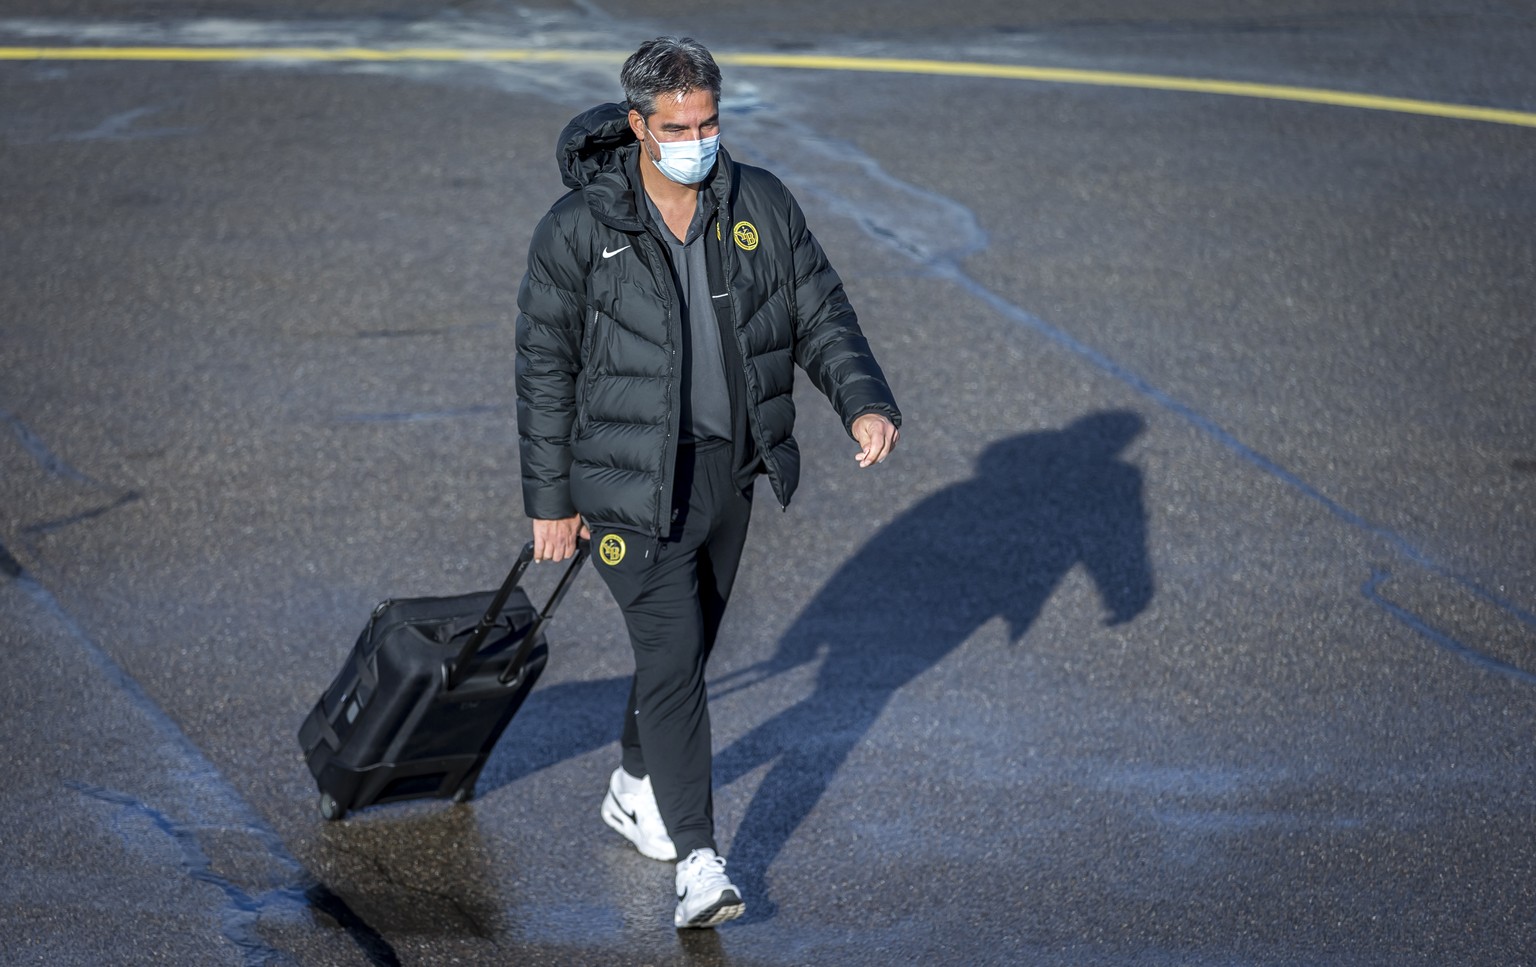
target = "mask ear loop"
x: 655, y: 159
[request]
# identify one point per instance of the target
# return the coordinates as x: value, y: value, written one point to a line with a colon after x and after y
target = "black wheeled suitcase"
x: 426, y: 692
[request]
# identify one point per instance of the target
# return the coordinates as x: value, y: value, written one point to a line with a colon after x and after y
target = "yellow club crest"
x: 746, y: 236
x: 611, y: 549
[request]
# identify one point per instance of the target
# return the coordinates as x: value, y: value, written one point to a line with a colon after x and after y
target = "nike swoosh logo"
x: 608, y: 255
x: 632, y: 817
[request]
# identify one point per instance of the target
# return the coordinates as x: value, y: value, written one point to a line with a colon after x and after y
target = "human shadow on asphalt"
x: 558, y: 722
x: 996, y: 544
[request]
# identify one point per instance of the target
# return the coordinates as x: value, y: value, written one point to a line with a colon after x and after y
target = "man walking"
x: 668, y: 296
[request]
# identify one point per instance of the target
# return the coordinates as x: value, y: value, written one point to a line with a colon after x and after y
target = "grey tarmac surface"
x: 1193, y: 623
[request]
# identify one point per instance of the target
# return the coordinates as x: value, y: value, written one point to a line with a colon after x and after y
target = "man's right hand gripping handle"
x: 555, y: 540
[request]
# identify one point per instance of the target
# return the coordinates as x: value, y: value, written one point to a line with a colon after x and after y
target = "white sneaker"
x: 630, y: 808
x: 705, y: 897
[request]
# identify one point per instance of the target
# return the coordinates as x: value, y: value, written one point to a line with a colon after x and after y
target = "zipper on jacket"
x: 668, y: 482
x: 727, y: 260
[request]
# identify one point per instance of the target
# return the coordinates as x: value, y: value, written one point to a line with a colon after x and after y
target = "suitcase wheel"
x: 464, y: 795
x: 329, y: 808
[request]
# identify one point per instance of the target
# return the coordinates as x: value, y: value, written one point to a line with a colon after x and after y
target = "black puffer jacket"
x: 597, y: 336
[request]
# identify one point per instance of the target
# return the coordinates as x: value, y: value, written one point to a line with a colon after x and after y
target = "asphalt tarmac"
x: 1194, y: 621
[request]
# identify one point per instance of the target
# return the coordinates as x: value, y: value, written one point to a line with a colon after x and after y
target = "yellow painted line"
x: 308, y: 54
x: 1153, y: 82
x: 882, y: 65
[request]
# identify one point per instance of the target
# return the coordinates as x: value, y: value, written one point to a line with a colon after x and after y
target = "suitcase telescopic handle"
x: 453, y: 669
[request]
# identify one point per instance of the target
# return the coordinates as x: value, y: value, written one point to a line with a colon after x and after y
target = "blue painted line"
x: 1371, y: 589
x: 243, y: 911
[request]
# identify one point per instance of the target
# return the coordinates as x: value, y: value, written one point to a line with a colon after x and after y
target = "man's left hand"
x: 877, y: 435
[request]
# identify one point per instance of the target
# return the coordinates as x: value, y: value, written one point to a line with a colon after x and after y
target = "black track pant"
x: 673, y: 596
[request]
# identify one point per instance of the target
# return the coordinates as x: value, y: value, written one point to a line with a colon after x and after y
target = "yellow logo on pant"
x: 611, y: 549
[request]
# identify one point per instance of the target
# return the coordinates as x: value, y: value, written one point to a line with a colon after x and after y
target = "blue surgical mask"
x: 685, y: 162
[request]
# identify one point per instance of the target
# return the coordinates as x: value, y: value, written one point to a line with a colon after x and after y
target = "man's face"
x: 692, y: 117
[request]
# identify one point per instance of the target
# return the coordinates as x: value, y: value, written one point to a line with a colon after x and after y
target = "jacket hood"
x: 599, y: 155
x: 590, y: 144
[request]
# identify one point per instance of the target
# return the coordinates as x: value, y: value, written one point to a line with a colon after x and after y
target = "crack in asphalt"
x: 57, y: 467
x: 49, y: 526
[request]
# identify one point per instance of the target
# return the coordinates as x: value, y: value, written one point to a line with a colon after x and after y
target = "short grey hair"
x: 668, y: 65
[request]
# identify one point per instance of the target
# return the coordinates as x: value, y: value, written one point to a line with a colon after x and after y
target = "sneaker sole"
x: 620, y: 823
x: 726, y: 908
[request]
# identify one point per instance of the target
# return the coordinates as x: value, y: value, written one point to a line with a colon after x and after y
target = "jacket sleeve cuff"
x: 882, y: 409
